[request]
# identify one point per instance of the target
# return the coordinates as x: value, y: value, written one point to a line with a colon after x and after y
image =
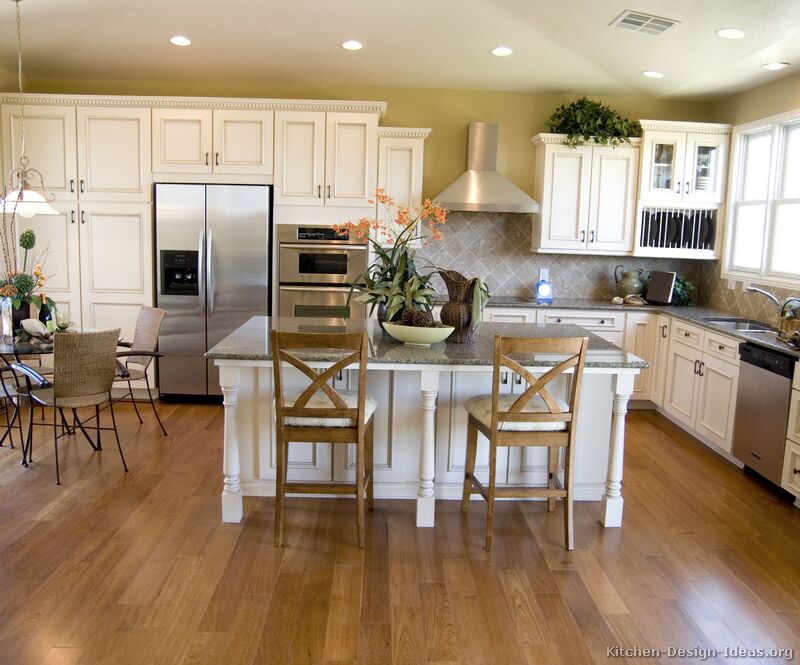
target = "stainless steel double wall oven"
x: 316, y: 267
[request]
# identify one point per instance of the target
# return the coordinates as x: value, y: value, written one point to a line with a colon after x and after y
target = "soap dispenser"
x: 543, y: 289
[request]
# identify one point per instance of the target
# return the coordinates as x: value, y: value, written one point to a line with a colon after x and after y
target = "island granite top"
x: 251, y: 342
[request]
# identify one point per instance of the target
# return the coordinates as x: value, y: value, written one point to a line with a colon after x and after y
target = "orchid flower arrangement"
x: 393, y: 278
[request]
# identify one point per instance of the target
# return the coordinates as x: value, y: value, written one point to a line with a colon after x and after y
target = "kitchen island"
x: 420, y: 423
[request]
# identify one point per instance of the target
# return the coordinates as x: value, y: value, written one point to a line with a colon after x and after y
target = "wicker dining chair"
x: 535, y: 417
x: 321, y: 413
x: 143, y: 349
x: 84, y: 368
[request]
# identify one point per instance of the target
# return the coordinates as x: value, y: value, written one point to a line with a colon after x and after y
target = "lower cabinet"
x: 640, y: 340
x: 660, y: 359
x: 700, y: 391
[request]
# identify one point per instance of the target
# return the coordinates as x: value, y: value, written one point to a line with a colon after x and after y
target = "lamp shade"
x: 26, y: 203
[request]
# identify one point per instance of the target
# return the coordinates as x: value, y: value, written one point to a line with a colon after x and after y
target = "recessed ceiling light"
x: 730, y: 33
x: 502, y: 51
x: 352, y: 45
x: 774, y: 66
x: 652, y: 74
x: 180, y: 40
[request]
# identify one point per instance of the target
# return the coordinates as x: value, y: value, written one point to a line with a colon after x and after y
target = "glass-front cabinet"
x: 684, y: 166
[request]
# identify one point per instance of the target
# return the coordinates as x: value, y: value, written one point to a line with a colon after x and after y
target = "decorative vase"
x: 628, y: 282
x: 19, y: 315
x: 8, y: 322
x: 457, y: 311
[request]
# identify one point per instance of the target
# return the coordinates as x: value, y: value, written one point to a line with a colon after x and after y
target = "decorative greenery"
x: 19, y: 285
x: 585, y: 120
x: 682, y: 292
x: 393, y: 277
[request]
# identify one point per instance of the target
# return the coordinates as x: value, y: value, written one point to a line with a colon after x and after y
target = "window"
x: 763, y: 239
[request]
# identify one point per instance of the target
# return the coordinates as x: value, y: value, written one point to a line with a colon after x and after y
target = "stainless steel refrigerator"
x: 212, y: 275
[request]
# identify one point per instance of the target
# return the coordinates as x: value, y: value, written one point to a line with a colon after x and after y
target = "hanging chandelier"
x: 25, y: 194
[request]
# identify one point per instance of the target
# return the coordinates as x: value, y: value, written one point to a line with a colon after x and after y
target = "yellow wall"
x: 447, y: 112
x: 766, y: 100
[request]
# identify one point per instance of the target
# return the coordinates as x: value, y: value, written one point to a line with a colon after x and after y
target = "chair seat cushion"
x: 480, y: 407
x: 45, y: 397
x: 321, y: 401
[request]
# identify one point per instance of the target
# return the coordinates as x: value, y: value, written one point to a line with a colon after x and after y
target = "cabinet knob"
x: 83, y: 188
x: 602, y: 322
x: 721, y: 347
x: 558, y: 320
x: 686, y: 334
x: 686, y: 187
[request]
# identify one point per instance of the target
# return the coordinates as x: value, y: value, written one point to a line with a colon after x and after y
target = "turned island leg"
x: 229, y: 381
x: 611, y: 512
x: 429, y: 389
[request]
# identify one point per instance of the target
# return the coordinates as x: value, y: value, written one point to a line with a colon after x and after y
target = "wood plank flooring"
x: 114, y: 568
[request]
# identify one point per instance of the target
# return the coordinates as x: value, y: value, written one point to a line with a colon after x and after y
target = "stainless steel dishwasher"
x: 762, y: 409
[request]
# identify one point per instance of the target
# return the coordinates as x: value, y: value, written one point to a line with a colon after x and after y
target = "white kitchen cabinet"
x: 50, y: 145
x: 325, y: 159
x: 684, y: 163
x: 658, y: 372
x: 587, y: 196
x: 113, y: 154
x: 640, y: 340
x: 606, y: 324
x: 400, y: 158
x: 793, y: 430
x: 701, y: 386
x: 212, y: 141
x: 509, y: 315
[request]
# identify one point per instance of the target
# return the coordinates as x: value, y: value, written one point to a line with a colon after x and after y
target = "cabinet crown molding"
x: 404, y: 132
x: 681, y: 126
x: 243, y: 103
x: 558, y: 139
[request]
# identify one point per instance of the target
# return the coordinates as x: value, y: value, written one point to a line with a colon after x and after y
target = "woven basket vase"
x: 457, y: 311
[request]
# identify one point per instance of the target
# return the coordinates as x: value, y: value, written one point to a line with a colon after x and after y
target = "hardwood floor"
x: 137, y: 568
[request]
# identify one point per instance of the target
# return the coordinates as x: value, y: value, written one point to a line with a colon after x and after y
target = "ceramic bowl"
x: 413, y: 336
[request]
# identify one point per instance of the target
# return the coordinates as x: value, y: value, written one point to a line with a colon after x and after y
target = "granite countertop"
x: 251, y: 342
x: 694, y: 315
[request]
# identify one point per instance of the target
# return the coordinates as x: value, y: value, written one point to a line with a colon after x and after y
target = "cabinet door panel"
x: 57, y: 250
x: 659, y: 370
x: 681, y: 387
x: 704, y: 173
x: 793, y: 430
x: 351, y: 146
x: 114, y: 154
x: 182, y: 140
x: 50, y: 145
x: 640, y: 339
x: 613, y: 199
x: 565, y: 213
x: 299, y: 157
x: 717, y: 400
x: 400, y: 169
x: 662, y: 164
x: 243, y: 142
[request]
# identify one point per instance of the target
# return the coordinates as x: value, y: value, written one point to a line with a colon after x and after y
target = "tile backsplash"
x: 497, y: 247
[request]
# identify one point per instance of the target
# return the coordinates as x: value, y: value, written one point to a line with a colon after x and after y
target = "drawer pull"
x: 664, y: 331
x: 756, y: 455
x: 504, y: 378
x: 700, y: 371
x: 696, y: 363
x: 558, y: 320
x: 721, y: 347
x: 602, y: 322
x: 686, y: 334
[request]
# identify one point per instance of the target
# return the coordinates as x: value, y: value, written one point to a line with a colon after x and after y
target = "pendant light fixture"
x: 25, y: 194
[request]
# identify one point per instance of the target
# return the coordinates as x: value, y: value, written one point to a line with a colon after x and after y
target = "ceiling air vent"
x: 639, y: 22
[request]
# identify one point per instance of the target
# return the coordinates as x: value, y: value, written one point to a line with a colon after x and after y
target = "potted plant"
x: 393, y: 282
x: 586, y: 120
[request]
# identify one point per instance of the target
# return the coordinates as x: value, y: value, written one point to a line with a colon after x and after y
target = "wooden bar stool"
x: 319, y: 413
x: 534, y: 418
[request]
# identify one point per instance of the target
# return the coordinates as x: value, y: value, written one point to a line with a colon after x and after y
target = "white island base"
x: 420, y: 437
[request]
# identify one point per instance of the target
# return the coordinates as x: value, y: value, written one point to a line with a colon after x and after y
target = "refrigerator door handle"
x: 201, y: 277
x: 210, y: 271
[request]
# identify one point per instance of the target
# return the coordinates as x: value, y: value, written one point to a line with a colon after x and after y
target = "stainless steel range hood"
x: 481, y: 188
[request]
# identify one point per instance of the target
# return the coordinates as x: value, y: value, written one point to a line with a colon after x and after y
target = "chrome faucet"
x: 755, y: 289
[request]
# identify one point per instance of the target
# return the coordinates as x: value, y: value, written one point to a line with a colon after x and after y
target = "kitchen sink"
x: 739, y: 325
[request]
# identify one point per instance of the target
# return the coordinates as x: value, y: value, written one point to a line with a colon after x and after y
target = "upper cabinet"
x: 587, y: 196
x: 400, y: 157
x: 212, y: 141
x: 325, y: 158
x: 682, y: 188
x: 92, y: 153
x: 50, y: 145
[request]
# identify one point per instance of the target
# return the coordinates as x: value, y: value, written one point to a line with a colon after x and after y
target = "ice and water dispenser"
x: 179, y: 272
